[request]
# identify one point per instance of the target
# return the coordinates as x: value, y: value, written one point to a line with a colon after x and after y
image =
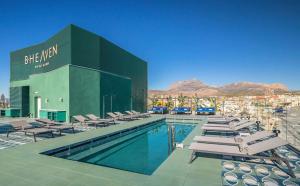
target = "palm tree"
x: 196, y: 100
x: 154, y: 101
x: 169, y: 102
x: 212, y: 101
x: 181, y: 100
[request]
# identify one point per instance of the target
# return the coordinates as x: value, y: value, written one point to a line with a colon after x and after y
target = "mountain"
x: 192, y: 87
x: 249, y: 88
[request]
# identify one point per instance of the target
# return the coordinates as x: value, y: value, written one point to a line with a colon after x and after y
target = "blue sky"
x: 217, y: 42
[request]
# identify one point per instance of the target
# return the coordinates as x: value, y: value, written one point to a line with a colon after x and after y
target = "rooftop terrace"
x: 24, y: 165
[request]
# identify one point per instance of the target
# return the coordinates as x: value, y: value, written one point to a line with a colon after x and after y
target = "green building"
x: 76, y: 72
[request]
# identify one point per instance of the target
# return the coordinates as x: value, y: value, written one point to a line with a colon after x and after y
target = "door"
x: 38, y: 106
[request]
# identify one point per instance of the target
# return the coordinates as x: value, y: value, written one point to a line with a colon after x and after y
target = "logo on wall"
x: 41, y: 59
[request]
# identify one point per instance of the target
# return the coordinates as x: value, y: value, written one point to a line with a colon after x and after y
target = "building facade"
x: 76, y: 72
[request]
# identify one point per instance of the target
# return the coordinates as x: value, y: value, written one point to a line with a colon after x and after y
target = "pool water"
x: 142, y: 152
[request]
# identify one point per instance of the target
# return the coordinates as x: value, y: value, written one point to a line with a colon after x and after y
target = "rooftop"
x: 24, y: 165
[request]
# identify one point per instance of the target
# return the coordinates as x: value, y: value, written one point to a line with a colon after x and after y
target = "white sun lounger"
x: 246, y: 151
x: 84, y: 121
x: 259, y: 135
x: 134, y: 115
x: 141, y: 114
x: 130, y: 117
x: 228, y: 129
x: 95, y: 118
x: 221, y: 120
x: 233, y: 123
x: 137, y: 114
x: 118, y: 117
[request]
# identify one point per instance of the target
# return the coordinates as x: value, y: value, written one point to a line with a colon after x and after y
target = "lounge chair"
x: 245, y: 151
x: 132, y: 117
x: 95, y: 118
x: 141, y: 114
x: 235, y: 123
x: 159, y: 110
x: 25, y: 127
x: 259, y: 135
x: 118, y: 117
x: 221, y: 120
x: 55, y: 125
x: 85, y: 121
x: 231, y: 124
x: 228, y: 129
x: 113, y: 116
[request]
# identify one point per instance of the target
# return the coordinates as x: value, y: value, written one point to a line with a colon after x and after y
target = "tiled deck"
x: 19, y: 138
x: 23, y: 165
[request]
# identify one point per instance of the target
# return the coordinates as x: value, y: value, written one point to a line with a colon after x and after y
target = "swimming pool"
x: 140, y: 149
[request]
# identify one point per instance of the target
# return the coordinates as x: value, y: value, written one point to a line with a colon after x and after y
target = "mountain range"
x: 192, y: 87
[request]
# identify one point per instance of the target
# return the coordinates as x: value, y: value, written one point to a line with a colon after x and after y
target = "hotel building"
x: 76, y: 72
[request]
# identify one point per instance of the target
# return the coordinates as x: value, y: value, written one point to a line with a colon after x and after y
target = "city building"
x: 76, y: 72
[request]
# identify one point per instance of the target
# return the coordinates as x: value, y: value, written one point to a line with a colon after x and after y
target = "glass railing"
x: 289, y: 125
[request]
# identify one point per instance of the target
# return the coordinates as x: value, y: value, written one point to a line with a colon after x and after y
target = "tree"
x: 212, y: 101
x: 181, y: 100
x: 154, y: 101
x: 196, y: 101
x: 169, y: 102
